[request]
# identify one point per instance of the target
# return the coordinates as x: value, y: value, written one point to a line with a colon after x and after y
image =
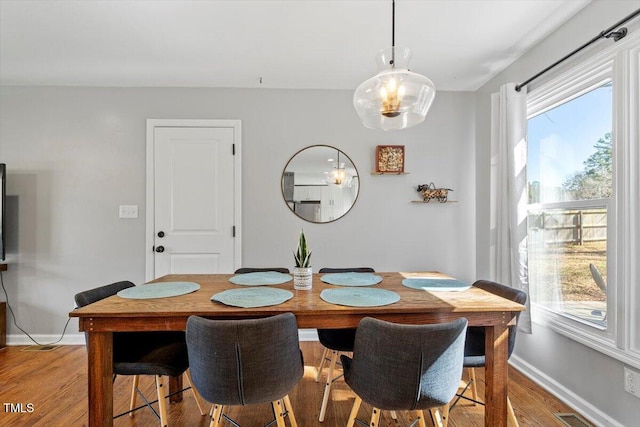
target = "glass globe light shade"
x: 338, y: 175
x: 395, y: 98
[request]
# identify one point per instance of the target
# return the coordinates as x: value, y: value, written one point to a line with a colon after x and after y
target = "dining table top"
x: 415, y: 306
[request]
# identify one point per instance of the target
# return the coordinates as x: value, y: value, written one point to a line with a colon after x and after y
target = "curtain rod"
x: 617, y: 35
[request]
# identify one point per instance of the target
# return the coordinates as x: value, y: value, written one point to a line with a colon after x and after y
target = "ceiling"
x: 459, y: 44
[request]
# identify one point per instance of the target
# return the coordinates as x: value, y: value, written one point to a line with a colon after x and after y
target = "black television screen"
x: 3, y: 184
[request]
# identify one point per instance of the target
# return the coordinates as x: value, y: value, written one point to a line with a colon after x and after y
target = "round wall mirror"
x: 320, y: 184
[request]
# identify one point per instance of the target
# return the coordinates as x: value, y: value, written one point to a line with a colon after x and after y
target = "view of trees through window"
x: 594, y: 182
x: 569, y: 172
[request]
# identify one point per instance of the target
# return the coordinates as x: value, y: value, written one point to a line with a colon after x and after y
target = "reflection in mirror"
x: 320, y: 183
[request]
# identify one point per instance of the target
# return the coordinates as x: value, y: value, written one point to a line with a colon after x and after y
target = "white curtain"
x: 509, y: 192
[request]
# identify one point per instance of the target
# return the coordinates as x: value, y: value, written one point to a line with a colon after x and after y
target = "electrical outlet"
x: 128, y: 211
x: 632, y: 382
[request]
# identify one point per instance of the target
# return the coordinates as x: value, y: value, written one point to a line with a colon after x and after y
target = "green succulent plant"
x: 302, y: 254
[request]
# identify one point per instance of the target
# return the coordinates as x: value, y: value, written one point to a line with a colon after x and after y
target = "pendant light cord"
x: 393, y: 33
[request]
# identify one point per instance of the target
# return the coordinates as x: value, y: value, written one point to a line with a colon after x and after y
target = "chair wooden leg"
x: 473, y: 387
x: 134, y: 394
x: 436, y: 416
x: 216, y: 413
x: 278, y: 410
x: 375, y: 418
x: 421, y: 421
x: 445, y: 415
x: 322, y: 361
x: 162, y: 401
x: 354, y: 411
x: 196, y: 395
x: 327, y: 387
x: 290, y: 414
x: 474, y: 391
x: 511, y: 415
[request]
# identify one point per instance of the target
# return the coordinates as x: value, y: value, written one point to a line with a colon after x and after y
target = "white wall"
x: 588, y: 380
x: 74, y: 154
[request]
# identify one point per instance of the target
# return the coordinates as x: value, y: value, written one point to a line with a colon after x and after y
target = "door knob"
x: 160, y: 249
x: 160, y: 234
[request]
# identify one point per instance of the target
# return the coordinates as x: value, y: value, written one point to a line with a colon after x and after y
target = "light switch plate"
x: 129, y: 211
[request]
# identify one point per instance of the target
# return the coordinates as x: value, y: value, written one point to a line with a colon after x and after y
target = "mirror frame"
x: 357, y: 176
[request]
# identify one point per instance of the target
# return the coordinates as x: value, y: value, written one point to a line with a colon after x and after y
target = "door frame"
x: 150, y: 202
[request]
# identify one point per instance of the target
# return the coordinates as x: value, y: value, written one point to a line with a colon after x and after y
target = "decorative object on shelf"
x: 302, y: 278
x: 429, y: 191
x: 390, y: 159
x: 395, y: 98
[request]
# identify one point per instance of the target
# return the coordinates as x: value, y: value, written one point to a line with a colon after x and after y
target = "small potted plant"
x: 302, y: 278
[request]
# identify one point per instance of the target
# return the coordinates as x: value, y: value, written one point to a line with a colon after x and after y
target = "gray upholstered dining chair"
x: 597, y: 277
x: 404, y: 367
x: 161, y: 354
x: 245, y: 270
x: 334, y: 342
x: 243, y: 362
x: 474, y: 350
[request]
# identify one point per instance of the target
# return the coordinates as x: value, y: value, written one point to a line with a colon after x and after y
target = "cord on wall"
x: 64, y: 330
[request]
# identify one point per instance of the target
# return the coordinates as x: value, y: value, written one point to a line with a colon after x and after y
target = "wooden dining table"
x: 115, y: 314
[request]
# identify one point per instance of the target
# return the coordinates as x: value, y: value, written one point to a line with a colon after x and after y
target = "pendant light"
x: 338, y: 175
x: 395, y: 98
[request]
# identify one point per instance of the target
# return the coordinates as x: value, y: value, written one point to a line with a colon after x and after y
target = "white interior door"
x: 195, y: 198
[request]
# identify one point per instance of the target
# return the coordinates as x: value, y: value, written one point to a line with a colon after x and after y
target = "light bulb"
x: 338, y: 175
x: 391, y: 97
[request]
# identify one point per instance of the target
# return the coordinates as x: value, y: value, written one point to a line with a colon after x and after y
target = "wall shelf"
x: 389, y: 173
x: 433, y: 202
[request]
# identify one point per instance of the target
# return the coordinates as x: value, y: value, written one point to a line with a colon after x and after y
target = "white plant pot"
x: 302, y: 278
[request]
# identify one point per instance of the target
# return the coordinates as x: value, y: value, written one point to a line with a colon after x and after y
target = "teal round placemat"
x: 260, y: 278
x: 359, y: 297
x: 159, y: 290
x: 351, y: 279
x: 445, y: 285
x: 252, y: 297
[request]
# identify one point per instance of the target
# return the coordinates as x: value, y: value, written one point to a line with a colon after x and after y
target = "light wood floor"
x: 55, y: 383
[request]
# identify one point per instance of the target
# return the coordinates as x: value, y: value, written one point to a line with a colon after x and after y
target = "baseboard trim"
x: 68, y: 339
x: 308, y: 334
x: 585, y: 408
x: 78, y: 339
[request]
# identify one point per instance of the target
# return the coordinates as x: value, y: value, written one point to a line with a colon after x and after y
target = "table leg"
x: 496, y: 376
x: 100, y: 370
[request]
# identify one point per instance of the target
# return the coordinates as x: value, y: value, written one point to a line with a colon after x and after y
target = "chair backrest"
x: 597, y: 277
x: 407, y: 367
x: 240, y: 362
x: 120, y: 340
x: 475, y: 334
x: 245, y: 270
x: 327, y: 270
x: 102, y: 292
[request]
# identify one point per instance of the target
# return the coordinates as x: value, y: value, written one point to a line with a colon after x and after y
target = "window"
x: 569, y: 175
x: 583, y: 171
